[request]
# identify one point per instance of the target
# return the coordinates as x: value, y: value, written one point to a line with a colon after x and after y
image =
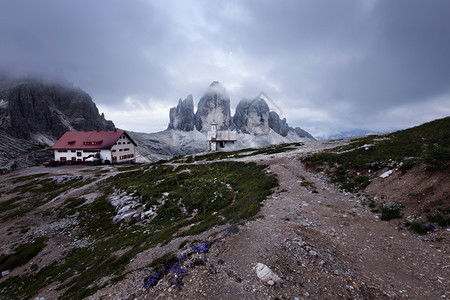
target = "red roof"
x: 89, y: 139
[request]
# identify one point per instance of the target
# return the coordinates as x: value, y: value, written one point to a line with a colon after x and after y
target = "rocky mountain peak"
x: 214, y: 106
x: 252, y: 116
x: 182, y: 116
x: 279, y: 126
x: 33, y: 108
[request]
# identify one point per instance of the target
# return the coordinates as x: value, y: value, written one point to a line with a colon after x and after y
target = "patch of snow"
x: 185, y: 171
x: 386, y: 174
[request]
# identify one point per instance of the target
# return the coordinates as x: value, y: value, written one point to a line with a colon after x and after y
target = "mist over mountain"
x: 214, y: 106
x: 255, y: 124
x: 42, y: 112
x: 34, y: 114
x: 252, y: 116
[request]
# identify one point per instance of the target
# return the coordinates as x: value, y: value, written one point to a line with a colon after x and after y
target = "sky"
x: 327, y: 66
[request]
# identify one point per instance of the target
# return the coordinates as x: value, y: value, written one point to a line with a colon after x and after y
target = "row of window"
x: 73, y: 151
x: 126, y: 149
x: 120, y: 143
x: 64, y: 159
x: 92, y: 142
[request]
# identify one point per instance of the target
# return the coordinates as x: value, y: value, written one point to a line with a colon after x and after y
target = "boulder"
x: 266, y: 275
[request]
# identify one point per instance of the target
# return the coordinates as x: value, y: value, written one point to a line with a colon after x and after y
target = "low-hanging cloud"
x: 353, y: 63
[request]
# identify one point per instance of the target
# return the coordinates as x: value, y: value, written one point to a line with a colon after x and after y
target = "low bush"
x: 391, y: 211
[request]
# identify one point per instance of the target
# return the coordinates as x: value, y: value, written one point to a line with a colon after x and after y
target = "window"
x: 60, y: 151
x: 126, y: 149
x: 78, y: 153
x: 128, y: 142
x: 92, y: 142
x: 72, y: 151
x: 120, y: 149
x: 62, y: 158
x: 222, y: 144
x: 73, y: 158
x: 114, y: 150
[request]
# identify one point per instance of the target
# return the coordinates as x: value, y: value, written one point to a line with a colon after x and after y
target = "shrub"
x: 391, y: 211
x: 420, y: 228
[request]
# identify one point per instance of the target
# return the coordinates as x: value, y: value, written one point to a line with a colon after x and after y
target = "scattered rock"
x: 266, y: 275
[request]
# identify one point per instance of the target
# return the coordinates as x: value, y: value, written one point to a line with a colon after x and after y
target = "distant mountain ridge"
x: 255, y: 124
x: 251, y: 116
x: 34, y: 114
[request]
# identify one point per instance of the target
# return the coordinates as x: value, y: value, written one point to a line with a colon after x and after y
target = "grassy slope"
x: 354, y: 166
x: 232, y: 191
x: 428, y: 144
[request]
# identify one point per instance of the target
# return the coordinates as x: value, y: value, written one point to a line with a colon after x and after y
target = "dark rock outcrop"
x: 282, y: 128
x: 34, y: 108
x: 302, y: 133
x: 252, y: 116
x: 214, y: 106
x: 279, y: 126
x: 182, y: 116
x: 34, y: 114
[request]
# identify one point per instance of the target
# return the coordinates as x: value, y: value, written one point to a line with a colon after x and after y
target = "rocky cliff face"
x: 279, y: 126
x: 34, y: 115
x: 182, y: 116
x: 33, y: 109
x: 252, y: 116
x: 302, y: 133
x: 214, y: 106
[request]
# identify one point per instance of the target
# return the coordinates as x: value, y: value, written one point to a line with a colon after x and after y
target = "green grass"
x: 233, y: 190
x: 21, y: 255
x: 348, y: 165
x: 36, y: 190
x: 9, y: 204
x: 220, y: 155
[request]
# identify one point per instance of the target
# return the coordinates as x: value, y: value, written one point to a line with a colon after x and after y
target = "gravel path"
x: 323, y: 244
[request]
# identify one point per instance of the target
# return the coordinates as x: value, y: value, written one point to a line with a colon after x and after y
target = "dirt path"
x: 322, y: 243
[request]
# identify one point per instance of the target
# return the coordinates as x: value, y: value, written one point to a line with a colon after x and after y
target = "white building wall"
x: 81, y: 155
x: 122, y: 151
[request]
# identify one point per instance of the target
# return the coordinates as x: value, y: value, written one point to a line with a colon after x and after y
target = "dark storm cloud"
x: 326, y: 64
x: 104, y: 46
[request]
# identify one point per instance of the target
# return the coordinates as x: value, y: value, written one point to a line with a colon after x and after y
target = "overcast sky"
x: 328, y: 66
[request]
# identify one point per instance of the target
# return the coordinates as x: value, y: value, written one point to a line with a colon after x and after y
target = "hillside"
x: 196, y: 226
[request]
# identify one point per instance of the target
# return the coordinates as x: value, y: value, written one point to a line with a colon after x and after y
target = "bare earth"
x: 324, y: 245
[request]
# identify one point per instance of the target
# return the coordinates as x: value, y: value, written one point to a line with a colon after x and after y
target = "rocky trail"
x: 322, y: 243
